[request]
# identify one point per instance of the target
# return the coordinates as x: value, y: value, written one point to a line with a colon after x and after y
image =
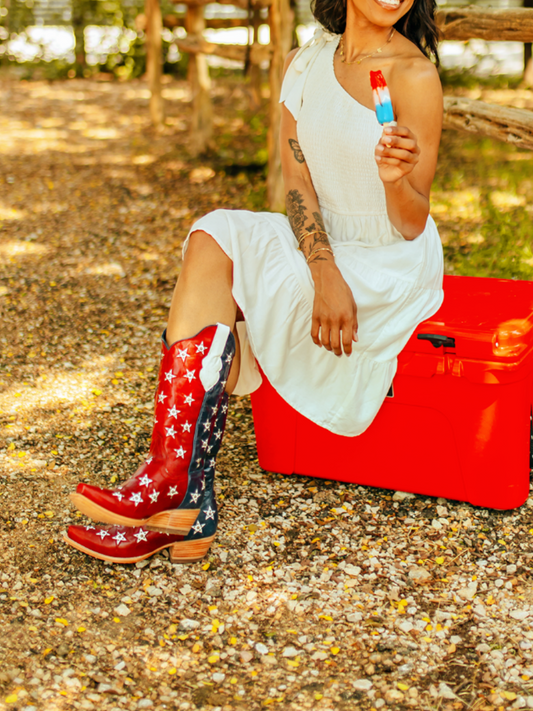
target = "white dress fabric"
x: 396, y: 283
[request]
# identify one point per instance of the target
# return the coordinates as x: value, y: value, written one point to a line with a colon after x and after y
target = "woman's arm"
x: 407, y: 167
x: 334, y: 323
x: 300, y: 196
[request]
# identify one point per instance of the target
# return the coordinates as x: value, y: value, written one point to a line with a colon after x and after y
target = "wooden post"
x: 255, y: 69
x: 528, y: 60
x: 281, y: 23
x: 200, y: 82
x: 154, y: 67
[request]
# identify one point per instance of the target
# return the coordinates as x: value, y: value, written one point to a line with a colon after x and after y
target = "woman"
x: 350, y: 272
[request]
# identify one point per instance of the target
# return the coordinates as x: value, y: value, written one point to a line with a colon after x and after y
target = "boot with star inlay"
x: 166, y: 491
x: 121, y: 544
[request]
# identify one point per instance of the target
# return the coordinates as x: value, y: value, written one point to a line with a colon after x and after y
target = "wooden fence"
x: 280, y: 19
x: 504, y: 123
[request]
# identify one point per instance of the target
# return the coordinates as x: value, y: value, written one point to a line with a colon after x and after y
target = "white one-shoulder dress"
x: 396, y: 283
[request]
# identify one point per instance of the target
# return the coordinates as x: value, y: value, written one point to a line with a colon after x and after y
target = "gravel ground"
x: 315, y: 594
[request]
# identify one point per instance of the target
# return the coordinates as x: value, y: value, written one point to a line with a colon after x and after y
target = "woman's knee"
x: 205, y: 260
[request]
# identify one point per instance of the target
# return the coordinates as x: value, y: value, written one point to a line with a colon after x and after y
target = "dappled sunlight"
x: 139, y: 93
x: 9, y: 213
x: 106, y: 269
x: 49, y: 206
x: 143, y: 160
x: 149, y: 256
x: 177, y: 93
x: 18, y: 248
x: 101, y: 134
x: 120, y: 173
x: 109, y: 158
x: 33, y: 142
x: 78, y: 390
x: 456, y: 204
x: 506, y: 200
x: 52, y: 122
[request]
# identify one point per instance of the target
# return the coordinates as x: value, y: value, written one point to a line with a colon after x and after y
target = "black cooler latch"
x: 437, y: 340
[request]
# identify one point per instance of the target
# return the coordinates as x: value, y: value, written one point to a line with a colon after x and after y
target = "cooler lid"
x: 480, y: 319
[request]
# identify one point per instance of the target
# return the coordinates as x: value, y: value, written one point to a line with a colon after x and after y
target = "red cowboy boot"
x: 166, y: 491
x: 120, y: 544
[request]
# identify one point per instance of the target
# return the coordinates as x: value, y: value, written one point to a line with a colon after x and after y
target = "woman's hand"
x: 396, y: 154
x: 334, y: 324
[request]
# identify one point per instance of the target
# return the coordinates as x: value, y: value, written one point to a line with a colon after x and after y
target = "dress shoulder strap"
x: 292, y: 89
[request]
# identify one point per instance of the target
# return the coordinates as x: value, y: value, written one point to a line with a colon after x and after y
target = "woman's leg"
x: 203, y: 295
x: 172, y: 492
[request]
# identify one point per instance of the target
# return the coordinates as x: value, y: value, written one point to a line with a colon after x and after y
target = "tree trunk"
x: 154, y: 59
x: 200, y: 82
x: 78, y: 26
x: 281, y: 19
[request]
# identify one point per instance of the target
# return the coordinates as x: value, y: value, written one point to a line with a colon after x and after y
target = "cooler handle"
x: 437, y: 340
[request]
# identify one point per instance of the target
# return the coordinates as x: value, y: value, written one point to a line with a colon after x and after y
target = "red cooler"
x: 457, y: 420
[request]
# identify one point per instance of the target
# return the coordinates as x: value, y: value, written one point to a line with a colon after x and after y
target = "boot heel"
x: 178, y: 521
x: 190, y: 551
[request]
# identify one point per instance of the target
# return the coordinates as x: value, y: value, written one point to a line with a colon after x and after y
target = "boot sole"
x: 181, y: 552
x: 177, y: 521
x: 110, y: 558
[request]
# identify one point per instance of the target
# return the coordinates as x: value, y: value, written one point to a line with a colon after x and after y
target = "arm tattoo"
x: 298, y: 153
x: 297, y: 214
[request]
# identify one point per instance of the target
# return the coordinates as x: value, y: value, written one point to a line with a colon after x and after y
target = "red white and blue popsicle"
x: 382, y: 100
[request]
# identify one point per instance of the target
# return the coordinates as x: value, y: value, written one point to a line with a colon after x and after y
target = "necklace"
x: 365, y: 56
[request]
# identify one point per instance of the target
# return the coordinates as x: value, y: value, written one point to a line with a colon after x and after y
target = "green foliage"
x: 481, y: 201
x: 467, y: 79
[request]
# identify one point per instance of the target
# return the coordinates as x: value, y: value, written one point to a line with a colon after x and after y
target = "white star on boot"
x: 198, y: 527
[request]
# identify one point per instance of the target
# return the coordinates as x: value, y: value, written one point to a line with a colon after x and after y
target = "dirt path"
x: 315, y: 595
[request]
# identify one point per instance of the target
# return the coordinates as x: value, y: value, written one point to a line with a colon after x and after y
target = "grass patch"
x: 482, y: 201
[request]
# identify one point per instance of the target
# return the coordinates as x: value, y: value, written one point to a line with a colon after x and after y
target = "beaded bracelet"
x: 320, y: 249
x: 308, y: 234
